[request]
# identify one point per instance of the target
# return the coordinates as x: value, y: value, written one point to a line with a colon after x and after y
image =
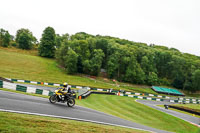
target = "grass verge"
x: 22, y: 123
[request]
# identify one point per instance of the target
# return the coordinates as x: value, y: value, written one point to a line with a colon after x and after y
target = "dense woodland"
x: 123, y: 60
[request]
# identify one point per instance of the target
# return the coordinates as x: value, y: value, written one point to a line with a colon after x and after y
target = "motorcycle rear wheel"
x: 53, y: 99
x: 71, y: 102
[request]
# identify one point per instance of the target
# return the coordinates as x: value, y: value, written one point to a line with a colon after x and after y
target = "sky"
x: 171, y: 23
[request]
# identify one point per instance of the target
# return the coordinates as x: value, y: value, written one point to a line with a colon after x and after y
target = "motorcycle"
x: 60, y: 96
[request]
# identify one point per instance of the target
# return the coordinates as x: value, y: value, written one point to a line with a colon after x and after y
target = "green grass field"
x: 25, y: 66
x: 21, y: 123
x: 127, y: 108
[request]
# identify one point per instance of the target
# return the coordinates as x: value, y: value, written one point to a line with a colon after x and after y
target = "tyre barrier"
x: 1, y: 84
x: 189, y: 99
x: 158, y: 99
x: 180, y: 100
x: 85, y: 87
x: 185, y: 109
x: 45, y: 83
x: 7, y: 85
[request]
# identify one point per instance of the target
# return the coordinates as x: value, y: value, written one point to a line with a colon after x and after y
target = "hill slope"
x: 27, y: 65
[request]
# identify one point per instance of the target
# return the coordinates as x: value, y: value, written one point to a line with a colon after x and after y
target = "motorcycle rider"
x: 66, y: 89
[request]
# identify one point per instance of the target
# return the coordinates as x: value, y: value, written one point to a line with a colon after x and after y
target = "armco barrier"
x: 88, y: 93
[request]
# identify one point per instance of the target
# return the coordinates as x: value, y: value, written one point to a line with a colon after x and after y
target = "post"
x: 79, y: 97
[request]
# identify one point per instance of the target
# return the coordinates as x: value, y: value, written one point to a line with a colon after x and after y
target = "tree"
x: 61, y: 52
x: 25, y: 39
x: 196, y: 80
x: 5, y: 38
x: 162, y: 59
x: 47, y: 43
x: 58, y: 40
x: 61, y: 39
x: 113, y: 65
x: 152, y: 78
x: 71, y: 60
x: 134, y: 72
x: 145, y: 64
x: 96, y: 61
x: 129, y: 61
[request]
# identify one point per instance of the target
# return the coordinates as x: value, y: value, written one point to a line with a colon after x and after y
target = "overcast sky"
x: 172, y: 23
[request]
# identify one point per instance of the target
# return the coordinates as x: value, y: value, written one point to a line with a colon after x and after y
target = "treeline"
x: 24, y: 39
x: 123, y: 60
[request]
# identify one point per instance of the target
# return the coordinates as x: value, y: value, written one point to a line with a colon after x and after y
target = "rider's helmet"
x: 65, y: 84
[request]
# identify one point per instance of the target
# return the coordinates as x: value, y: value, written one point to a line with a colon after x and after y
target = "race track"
x: 14, y: 102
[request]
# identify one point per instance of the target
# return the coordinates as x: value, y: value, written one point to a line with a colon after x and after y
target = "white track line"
x: 70, y: 118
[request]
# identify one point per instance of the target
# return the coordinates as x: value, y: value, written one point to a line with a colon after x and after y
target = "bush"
x: 13, y: 44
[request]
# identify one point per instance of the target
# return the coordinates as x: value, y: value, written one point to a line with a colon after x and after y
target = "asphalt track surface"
x: 14, y: 102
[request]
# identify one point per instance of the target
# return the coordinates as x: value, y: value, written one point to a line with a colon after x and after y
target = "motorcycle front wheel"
x: 53, y: 99
x: 71, y: 102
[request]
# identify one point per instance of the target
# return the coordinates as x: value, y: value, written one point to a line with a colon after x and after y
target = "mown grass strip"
x: 21, y: 123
